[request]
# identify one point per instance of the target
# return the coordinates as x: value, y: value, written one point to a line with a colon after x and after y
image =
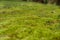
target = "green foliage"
x: 29, y: 21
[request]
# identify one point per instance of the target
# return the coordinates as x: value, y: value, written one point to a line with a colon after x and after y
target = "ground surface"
x: 29, y: 21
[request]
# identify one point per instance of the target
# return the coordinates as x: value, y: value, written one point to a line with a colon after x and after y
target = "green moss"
x: 29, y: 21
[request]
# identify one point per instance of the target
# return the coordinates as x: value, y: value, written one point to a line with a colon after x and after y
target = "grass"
x: 29, y: 21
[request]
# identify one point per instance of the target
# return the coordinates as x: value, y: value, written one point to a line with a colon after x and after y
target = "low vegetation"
x: 29, y: 21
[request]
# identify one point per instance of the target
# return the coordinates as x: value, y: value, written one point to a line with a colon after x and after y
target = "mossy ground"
x: 29, y: 21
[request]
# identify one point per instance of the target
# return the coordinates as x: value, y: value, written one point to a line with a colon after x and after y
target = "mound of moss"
x: 29, y: 21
